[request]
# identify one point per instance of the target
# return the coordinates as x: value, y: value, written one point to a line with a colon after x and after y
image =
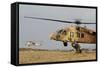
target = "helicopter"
x: 74, y: 34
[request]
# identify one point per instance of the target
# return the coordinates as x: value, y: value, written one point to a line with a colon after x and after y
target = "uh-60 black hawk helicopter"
x: 74, y: 34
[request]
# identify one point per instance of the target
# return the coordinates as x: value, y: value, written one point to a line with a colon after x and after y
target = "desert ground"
x: 42, y: 56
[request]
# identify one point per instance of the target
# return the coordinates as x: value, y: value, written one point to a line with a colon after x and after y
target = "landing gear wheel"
x: 65, y: 43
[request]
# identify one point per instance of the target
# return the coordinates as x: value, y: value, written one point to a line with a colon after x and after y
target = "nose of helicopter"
x: 53, y: 36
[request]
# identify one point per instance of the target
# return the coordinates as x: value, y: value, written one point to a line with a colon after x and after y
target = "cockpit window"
x: 62, y: 31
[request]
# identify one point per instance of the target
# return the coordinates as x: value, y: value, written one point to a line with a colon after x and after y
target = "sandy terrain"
x: 38, y: 56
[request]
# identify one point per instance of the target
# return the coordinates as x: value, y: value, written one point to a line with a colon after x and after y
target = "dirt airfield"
x: 42, y: 56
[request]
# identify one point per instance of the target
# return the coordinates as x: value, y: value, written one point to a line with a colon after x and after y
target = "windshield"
x: 62, y: 31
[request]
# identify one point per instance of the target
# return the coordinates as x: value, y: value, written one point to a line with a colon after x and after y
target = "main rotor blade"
x: 49, y: 19
x: 86, y: 23
x: 57, y: 20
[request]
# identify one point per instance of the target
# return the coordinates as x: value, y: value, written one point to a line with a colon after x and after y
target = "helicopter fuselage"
x: 75, y: 33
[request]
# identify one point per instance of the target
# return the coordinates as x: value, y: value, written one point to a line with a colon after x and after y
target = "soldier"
x: 76, y: 46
